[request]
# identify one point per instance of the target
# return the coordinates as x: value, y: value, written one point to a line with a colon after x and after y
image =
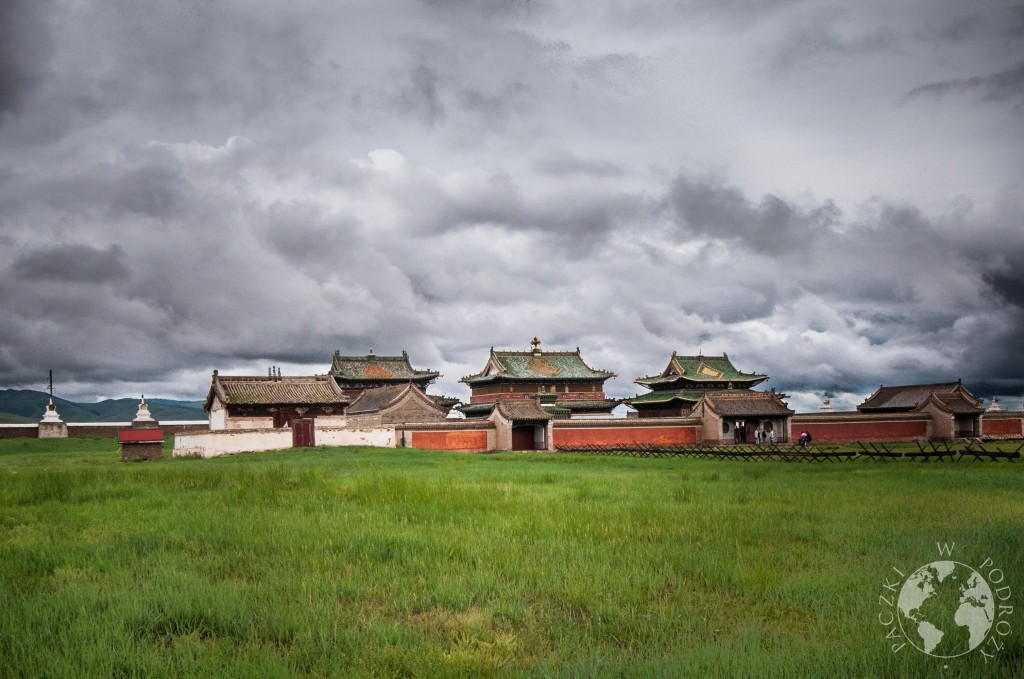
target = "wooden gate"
x: 303, y: 433
x: 523, y: 438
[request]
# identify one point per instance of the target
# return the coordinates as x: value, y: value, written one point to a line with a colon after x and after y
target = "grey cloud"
x: 421, y: 97
x: 961, y: 28
x: 151, y: 191
x: 568, y: 163
x: 499, y: 8
x: 1000, y: 86
x: 319, y: 243
x: 642, y: 16
x: 493, y: 110
x: 820, y: 42
x: 710, y: 208
x: 73, y: 264
x: 617, y: 69
x: 1015, y: 28
x: 25, y: 47
x: 540, y: 192
x: 1008, y: 281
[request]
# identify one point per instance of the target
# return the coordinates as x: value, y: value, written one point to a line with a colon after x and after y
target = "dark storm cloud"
x: 73, y: 264
x: 1015, y: 28
x: 709, y: 207
x: 25, y: 46
x: 961, y: 28
x: 1008, y: 282
x: 234, y: 184
x: 1001, y: 86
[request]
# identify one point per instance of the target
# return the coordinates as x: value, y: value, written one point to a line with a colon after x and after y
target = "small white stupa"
x: 993, y: 406
x: 826, y: 406
x: 143, y: 419
x: 51, y: 426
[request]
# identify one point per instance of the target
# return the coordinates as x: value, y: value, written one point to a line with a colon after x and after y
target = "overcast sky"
x: 830, y: 192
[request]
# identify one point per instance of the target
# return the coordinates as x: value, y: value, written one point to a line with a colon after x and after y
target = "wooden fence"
x: 928, y: 451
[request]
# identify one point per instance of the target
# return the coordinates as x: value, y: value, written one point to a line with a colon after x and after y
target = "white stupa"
x: 51, y: 426
x: 142, y: 415
x: 51, y: 414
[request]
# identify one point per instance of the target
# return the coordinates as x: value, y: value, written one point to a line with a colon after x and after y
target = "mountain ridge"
x: 27, y: 405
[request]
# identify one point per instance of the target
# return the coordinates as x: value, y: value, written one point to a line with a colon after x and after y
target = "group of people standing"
x: 762, y: 435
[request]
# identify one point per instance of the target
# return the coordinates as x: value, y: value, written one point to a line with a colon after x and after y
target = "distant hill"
x: 26, y: 405
x: 7, y: 418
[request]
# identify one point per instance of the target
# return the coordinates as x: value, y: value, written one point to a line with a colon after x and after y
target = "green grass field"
x: 369, y: 562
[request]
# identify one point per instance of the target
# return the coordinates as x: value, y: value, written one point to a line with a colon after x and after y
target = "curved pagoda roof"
x: 663, y: 396
x: 951, y: 396
x: 275, y: 390
x: 381, y: 398
x: 373, y: 368
x: 747, y: 404
x: 700, y: 370
x: 534, y: 366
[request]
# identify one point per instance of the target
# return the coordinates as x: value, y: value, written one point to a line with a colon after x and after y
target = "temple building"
x: 560, y: 381
x: 356, y: 374
x: 735, y: 416
x: 273, y: 401
x: 954, y: 411
x: 686, y: 379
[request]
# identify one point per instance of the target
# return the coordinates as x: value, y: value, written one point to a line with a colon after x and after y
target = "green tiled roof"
x: 476, y: 409
x: 377, y: 368
x: 701, y: 369
x: 667, y: 395
x: 536, y: 366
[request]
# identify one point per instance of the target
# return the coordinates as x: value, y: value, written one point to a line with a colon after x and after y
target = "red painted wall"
x: 861, y: 431
x: 449, y: 440
x: 1001, y: 427
x: 624, y: 436
x: 100, y: 429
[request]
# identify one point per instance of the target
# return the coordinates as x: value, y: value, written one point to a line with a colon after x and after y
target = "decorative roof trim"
x: 704, y: 369
x: 401, y: 369
x: 498, y: 368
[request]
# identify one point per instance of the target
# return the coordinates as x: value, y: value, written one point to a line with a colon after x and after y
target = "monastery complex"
x: 547, y: 400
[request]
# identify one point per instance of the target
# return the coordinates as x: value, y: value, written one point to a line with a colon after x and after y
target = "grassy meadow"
x: 352, y: 562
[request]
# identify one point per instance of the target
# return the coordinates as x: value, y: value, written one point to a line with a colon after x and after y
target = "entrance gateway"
x: 303, y: 433
x: 529, y: 437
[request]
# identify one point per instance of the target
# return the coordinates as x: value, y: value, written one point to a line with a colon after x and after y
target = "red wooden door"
x: 522, y: 438
x: 302, y: 433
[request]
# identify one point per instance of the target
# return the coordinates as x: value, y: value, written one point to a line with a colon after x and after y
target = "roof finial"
x: 535, y: 345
